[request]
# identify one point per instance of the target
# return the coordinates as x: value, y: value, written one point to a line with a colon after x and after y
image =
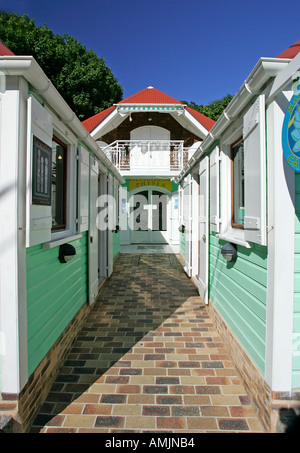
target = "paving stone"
x: 170, y: 399
x: 113, y: 399
x: 77, y: 421
x: 171, y: 422
x: 155, y: 389
x: 97, y: 409
x: 182, y: 411
x: 110, y: 421
x: 148, y: 359
x: 156, y: 410
x: 233, y: 424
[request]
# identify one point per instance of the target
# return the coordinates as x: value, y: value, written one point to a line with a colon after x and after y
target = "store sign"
x: 164, y: 183
x: 291, y: 132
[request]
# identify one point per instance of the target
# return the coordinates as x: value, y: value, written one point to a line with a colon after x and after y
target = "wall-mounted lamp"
x: 181, y: 228
x: 66, y: 253
x: 229, y: 252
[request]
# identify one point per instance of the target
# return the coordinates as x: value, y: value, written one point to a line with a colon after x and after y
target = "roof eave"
x: 27, y: 67
x: 264, y: 70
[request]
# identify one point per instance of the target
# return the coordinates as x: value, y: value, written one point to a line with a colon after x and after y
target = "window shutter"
x: 255, y: 173
x: 38, y: 216
x: 116, y: 195
x: 180, y: 195
x: 214, y: 190
x: 187, y: 221
x: 110, y: 189
x: 83, y: 189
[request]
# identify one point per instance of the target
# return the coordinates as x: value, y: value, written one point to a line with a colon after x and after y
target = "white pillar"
x: 281, y: 237
x: 13, y: 317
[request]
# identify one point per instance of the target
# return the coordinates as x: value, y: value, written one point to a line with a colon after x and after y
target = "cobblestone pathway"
x: 148, y: 359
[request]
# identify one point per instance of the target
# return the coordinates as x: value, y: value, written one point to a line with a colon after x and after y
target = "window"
x: 242, y: 180
x: 238, y: 185
x: 58, y: 187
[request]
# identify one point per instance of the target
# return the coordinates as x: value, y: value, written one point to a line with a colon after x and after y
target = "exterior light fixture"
x: 66, y: 253
x: 229, y: 252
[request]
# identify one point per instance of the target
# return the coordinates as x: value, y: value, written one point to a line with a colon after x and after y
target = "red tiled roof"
x: 95, y: 120
x: 149, y: 95
x: 291, y: 51
x: 4, y: 50
x: 208, y: 123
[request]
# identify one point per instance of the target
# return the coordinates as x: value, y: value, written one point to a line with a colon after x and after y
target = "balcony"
x: 147, y: 156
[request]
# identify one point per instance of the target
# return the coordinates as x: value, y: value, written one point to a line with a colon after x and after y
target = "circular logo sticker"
x: 291, y: 132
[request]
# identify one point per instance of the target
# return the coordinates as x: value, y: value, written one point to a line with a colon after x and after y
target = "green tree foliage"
x: 81, y: 77
x: 214, y: 109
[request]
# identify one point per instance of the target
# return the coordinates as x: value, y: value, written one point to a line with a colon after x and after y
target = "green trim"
x: 34, y: 95
x: 174, y: 186
x: 210, y: 150
x: 83, y: 146
x: 149, y: 108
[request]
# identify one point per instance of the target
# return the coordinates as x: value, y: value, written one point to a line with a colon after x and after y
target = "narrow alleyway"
x: 148, y: 359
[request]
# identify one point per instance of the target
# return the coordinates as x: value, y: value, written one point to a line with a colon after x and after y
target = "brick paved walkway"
x: 148, y: 359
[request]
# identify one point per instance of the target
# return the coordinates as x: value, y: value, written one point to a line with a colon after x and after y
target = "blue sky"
x: 193, y: 50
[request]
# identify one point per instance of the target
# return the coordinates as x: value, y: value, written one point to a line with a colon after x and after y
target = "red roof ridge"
x: 291, y: 51
x: 150, y: 95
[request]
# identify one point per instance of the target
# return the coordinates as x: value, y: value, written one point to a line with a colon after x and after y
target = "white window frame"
x: 251, y: 129
x: 70, y: 232
x: 227, y: 231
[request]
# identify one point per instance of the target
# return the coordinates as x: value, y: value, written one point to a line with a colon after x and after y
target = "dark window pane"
x: 59, y: 157
x: 159, y: 211
x: 238, y: 184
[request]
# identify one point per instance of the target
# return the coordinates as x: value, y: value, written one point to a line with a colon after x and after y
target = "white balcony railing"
x: 127, y: 155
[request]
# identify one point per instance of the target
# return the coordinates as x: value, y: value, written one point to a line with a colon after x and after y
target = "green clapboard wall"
x: 55, y: 293
x: 238, y: 291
